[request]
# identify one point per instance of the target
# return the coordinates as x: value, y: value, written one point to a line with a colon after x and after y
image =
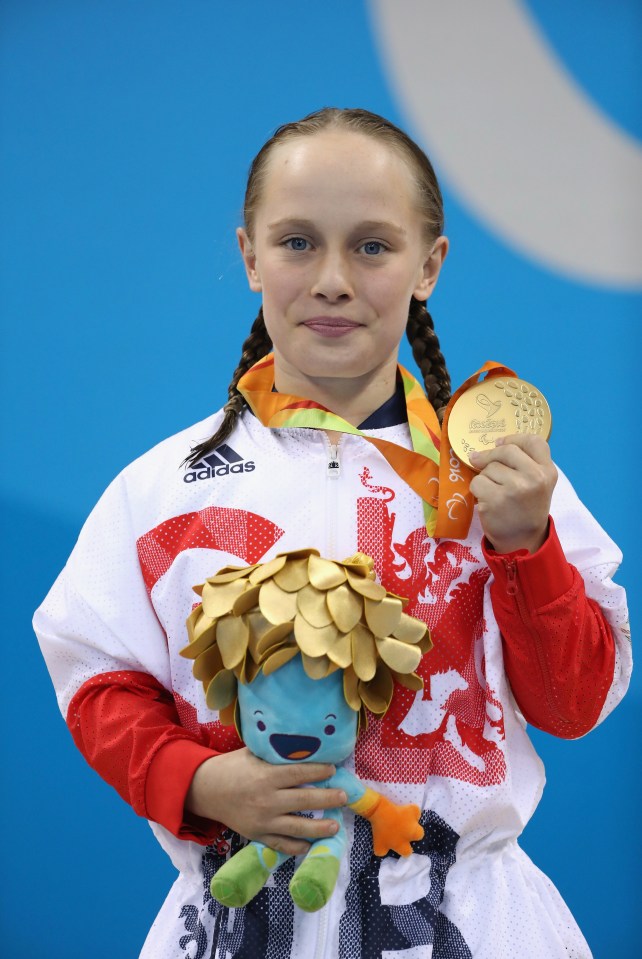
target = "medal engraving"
x: 498, y: 406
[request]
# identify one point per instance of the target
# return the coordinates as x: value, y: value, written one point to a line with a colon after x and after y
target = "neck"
x: 352, y: 398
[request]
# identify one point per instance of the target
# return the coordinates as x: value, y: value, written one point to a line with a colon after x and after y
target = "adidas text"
x: 221, y: 462
x: 209, y: 472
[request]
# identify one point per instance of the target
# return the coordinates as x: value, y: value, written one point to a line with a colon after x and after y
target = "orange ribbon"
x: 456, y: 502
x: 442, y: 482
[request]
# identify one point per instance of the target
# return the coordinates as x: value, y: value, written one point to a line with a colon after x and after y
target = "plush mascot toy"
x: 294, y: 651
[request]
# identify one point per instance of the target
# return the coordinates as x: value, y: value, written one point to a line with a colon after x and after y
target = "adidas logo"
x: 222, y: 461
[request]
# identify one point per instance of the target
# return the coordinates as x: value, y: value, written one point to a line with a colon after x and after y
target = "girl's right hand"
x: 258, y: 800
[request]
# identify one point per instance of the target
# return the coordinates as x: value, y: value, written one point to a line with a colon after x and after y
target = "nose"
x: 332, y: 280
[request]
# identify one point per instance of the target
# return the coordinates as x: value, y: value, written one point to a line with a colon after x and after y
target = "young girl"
x: 343, y: 238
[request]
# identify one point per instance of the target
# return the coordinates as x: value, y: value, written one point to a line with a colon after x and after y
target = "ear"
x: 431, y: 268
x: 249, y: 259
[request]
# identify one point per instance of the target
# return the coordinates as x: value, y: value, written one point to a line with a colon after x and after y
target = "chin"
x: 336, y: 367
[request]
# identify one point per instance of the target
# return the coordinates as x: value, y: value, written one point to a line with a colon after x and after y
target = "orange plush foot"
x: 394, y: 827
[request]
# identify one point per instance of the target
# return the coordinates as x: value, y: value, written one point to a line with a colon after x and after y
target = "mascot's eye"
x: 261, y: 725
x: 329, y: 729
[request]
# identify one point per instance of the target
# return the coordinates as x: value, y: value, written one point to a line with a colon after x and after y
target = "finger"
x: 509, y: 453
x: 513, y: 456
x: 519, y: 485
x: 305, y: 827
x: 479, y: 459
x: 300, y: 773
x: 534, y: 446
x: 512, y: 470
x: 498, y: 474
x: 483, y: 486
x: 285, y: 844
x: 302, y: 800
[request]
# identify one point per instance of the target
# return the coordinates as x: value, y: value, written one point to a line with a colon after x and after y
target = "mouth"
x: 294, y: 748
x: 331, y: 326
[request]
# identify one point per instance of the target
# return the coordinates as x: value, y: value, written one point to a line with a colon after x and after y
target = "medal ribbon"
x: 456, y: 502
x: 442, y: 483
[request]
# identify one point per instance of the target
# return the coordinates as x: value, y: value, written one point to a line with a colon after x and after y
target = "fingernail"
x: 343, y: 799
x: 333, y: 827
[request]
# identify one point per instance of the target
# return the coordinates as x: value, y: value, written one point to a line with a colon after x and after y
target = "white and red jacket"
x: 518, y: 638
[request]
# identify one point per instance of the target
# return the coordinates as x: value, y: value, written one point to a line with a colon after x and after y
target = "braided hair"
x: 257, y: 345
x: 420, y: 328
x: 420, y: 331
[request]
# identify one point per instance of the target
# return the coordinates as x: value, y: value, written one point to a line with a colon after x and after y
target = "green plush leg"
x: 245, y: 874
x: 314, y: 881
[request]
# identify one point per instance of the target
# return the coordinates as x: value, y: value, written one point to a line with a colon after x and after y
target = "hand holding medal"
x: 499, y: 427
x: 514, y: 486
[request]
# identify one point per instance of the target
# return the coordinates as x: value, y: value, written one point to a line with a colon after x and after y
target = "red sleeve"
x: 559, y: 651
x: 127, y: 728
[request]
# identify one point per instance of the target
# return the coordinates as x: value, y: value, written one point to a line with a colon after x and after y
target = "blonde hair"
x: 357, y: 121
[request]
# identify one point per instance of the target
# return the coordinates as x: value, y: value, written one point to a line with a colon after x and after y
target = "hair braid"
x: 428, y: 356
x: 257, y: 345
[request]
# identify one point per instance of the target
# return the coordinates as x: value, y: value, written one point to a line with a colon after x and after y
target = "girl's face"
x: 338, y: 250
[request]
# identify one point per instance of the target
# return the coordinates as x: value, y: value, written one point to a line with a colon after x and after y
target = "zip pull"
x: 333, y: 463
x: 511, y: 576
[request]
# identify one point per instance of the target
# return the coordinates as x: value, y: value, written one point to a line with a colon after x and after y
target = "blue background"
x: 127, y: 131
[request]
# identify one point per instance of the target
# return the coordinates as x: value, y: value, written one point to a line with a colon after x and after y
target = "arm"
x: 108, y: 658
x: 128, y: 730
x: 559, y: 651
x: 566, y: 648
x: 126, y: 726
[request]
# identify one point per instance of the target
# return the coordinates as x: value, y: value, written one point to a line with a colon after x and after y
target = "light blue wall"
x: 127, y: 131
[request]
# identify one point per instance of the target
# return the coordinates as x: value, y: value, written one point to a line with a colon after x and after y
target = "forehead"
x: 339, y: 168
x: 304, y: 696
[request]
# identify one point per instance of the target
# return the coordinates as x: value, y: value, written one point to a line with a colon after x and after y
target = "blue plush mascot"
x: 294, y: 651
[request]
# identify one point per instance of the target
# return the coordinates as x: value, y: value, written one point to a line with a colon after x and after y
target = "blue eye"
x: 261, y: 726
x: 373, y: 248
x: 329, y: 729
x: 297, y: 243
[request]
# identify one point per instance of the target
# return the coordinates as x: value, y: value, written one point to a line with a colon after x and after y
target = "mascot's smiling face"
x: 287, y: 717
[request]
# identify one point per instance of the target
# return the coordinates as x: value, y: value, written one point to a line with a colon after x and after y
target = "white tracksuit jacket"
x: 114, y: 622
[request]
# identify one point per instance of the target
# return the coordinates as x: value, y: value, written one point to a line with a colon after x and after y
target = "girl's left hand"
x: 513, y: 490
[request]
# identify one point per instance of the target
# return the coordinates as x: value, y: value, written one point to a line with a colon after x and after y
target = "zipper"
x: 511, y: 576
x: 322, y: 932
x: 332, y: 488
x: 334, y: 466
x: 512, y: 588
x: 332, y: 491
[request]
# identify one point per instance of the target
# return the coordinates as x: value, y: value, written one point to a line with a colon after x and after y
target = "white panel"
x: 516, y: 137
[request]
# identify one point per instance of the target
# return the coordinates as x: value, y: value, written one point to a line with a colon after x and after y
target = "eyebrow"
x: 365, y: 226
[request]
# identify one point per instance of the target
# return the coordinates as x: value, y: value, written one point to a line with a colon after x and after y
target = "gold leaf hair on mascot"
x: 293, y: 652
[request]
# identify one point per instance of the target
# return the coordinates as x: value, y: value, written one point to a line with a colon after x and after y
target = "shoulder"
x: 142, y: 486
x: 159, y: 484
x: 173, y: 450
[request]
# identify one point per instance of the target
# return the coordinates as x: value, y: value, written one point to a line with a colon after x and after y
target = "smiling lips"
x: 294, y: 747
x: 331, y: 326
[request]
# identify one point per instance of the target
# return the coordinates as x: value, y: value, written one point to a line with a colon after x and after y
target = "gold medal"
x: 497, y: 406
